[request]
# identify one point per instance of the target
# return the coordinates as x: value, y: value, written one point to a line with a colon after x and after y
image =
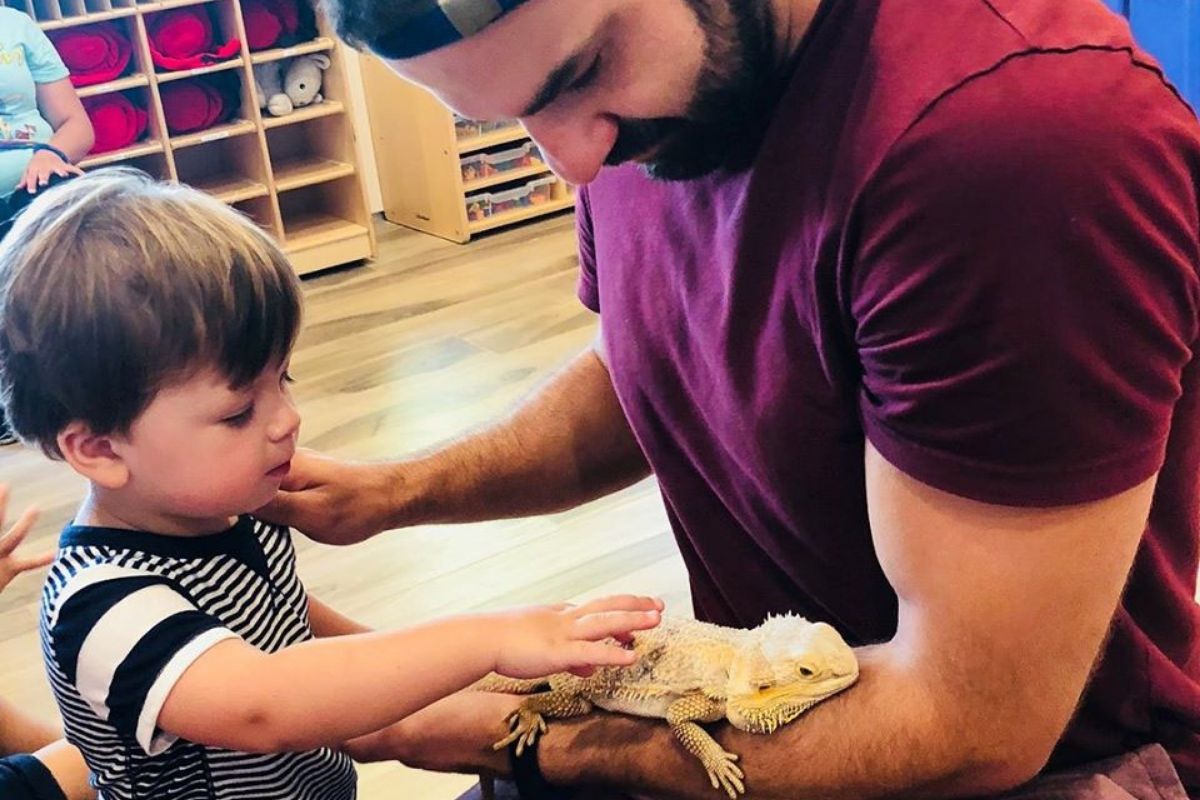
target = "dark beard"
x: 739, y: 86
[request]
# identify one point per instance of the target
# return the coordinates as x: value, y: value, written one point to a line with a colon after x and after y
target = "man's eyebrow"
x: 555, y: 85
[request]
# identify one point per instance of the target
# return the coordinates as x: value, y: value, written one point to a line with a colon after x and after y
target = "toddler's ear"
x: 93, y: 456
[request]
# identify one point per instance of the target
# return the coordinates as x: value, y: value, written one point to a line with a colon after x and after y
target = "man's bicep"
x: 1006, y: 607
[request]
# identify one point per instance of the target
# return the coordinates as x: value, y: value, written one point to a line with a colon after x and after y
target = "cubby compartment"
x: 126, y: 126
x: 309, y: 153
x: 153, y: 164
x: 101, y: 56
x: 262, y: 212
x: 230, y: 169
x: 194, y: 39
x: 206, y: 108
x: 321, y: 216
x: 332, y: 103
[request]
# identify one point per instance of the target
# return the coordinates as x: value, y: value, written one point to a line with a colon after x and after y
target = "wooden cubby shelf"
x: 124, y: 154
x: 119, y: 85
x: 326, y: 109
x: 178, y: 75
x: 296, y: 176
x: 321, y: 44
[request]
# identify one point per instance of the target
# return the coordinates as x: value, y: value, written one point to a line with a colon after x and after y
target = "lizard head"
x: 793, y: 665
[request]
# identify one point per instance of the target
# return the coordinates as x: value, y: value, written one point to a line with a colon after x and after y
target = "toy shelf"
x: 423, y: 159
x: 296, y: 176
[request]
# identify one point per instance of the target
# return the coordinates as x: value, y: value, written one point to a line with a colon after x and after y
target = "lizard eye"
x: 807, y: 672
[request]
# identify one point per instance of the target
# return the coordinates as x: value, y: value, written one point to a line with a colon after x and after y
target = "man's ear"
x: 93, y: 456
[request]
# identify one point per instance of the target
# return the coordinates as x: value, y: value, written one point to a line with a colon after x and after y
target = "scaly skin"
x: 691, y: 672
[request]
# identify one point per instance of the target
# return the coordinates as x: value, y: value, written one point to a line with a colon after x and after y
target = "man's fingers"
x: 286, y: 509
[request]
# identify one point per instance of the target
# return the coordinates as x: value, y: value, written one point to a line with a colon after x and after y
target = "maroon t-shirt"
x: 970, y: 237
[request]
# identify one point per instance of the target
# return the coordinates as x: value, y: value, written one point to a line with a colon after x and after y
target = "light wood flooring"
x: 423, y: 344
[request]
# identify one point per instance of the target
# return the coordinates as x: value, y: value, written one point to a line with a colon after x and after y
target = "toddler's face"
x: 204, y: 451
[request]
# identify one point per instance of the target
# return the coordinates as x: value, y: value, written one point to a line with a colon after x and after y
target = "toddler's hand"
x: 542, y: 641
x: 10, y: 565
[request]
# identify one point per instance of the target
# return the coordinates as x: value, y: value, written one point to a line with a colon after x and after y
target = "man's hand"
x: 452, y: 735
x: 12, y: 565
x: 335, y: 502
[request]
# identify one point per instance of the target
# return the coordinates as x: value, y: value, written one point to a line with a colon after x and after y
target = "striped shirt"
x: 125, y: 613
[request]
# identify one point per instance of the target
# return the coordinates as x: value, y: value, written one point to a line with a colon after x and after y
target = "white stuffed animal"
x: 268, y: 85
x: 302, y: 80
x: 281, y: 91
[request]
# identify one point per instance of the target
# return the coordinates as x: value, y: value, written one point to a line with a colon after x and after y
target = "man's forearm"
x: 568, y: 443
x: 884, y: 737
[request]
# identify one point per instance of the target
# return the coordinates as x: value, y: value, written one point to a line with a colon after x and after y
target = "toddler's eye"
x: 240, y: 419
x: 287, y: 378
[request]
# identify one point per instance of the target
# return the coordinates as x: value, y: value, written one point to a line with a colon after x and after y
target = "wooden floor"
x: 428, y: 341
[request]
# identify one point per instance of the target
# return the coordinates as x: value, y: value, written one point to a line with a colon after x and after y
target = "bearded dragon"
x: 690, y: 672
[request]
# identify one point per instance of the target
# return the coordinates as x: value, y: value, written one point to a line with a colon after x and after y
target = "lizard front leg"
x: 529, y: 720
x: 682, y: 715
x: 499, y: 684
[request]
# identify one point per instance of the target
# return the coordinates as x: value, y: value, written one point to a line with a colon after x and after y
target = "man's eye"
x: 287, y: 378
x: 588, y: 76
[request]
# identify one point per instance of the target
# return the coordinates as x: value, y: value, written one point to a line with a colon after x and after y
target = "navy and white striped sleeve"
x: 123, y: 638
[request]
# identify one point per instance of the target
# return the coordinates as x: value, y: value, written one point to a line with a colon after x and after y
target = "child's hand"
x: 542, y: 641
x: 10, y: 565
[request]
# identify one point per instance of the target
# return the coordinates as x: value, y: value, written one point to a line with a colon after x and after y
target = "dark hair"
x: 363, y: 24
x: 114, y: 285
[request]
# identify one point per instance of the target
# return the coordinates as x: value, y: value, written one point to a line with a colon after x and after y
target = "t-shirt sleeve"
x: 587, y: 288
x: 123, y: 638
x: 44, y: 62
x: 1024, y: 296
x: 23, y: 777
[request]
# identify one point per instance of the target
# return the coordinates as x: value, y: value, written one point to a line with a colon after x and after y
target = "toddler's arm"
x: 325, y: 692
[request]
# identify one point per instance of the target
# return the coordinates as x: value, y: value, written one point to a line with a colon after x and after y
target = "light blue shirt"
x: 27, y: 58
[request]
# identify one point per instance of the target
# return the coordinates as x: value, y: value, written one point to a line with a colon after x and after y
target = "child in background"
x: 35, y: 763
x: 145, y: 334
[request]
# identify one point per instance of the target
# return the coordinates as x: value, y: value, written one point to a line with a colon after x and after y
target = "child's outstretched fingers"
x: 587, y: 656
x: 10, y: 565
x: 619, y: 602
x: 613, y: 624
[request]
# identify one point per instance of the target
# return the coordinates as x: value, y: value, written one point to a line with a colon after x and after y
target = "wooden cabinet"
x: 452, y: 177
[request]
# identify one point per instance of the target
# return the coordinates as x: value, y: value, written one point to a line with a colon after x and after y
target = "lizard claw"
x: 724, y: 774
x: 526, y: 726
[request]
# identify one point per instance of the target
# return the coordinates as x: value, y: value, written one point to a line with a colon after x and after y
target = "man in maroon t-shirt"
x: 899, y: 305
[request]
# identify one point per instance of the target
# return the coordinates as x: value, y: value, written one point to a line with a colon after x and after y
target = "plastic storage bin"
x: 473, y: 168
x: 510, y: 200
x: 508, y: 160
x: 466, y: 128
x: 479, y: 206
x: 541, y: 191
